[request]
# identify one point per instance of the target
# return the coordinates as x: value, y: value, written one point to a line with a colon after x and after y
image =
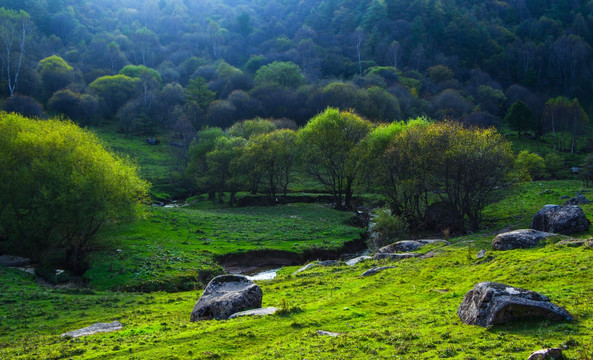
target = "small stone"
x: 375, y: 270
x: 481, y: 254
x: 356, y: 260
x: 256, y: 312
x: 94, y: 329
x: 547, y: 354
x: 327, y: 333
x: 306, y: 267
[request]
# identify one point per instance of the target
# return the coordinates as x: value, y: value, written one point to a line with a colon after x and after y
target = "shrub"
x: 59, y: 187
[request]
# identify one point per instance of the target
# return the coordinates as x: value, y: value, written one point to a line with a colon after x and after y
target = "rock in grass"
x: 481, y: 254
x: 392, y: 256
x: 520, y: 239
x: 572, y: 242
x: 560, y: 219
x: 226, y: 295
x: 256, y: 312
x: 375, y: 270
x: 327, y: 333
x: 409, y: 245
x: 547, y: 354
x: 577, y: 200
x: 94, y: 329
x: 316, y: 263
x: 358, y: 259
x: 491, y: 303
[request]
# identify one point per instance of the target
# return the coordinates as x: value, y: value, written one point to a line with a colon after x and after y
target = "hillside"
x: 408, y: 311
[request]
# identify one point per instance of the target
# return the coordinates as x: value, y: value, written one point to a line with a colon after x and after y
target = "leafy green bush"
x: 59, y: 187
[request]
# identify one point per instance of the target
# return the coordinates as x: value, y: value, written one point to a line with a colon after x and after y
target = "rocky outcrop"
x: 256, y: 312
x: 226, y: 295
x: 393, y: 256
x: 491, y: 303
x: 94, y: 329
x: 560, y: 219
x: 547, y: 354
x: 410, y: 245
x: 520, y: 239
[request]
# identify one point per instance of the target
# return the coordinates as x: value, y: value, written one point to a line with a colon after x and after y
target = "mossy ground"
x: 408, y: 312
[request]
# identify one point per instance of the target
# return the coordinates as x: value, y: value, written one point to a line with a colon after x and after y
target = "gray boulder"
x: 256, y: 312
x: 226, y: 295
x: 491, y: 303
x: 577, y: 200
x: 520, y: 239
x: 392, y: 256
x: 547, y: 354
x: 560, y: 219
x: 94, y: 329
x: 410, y: 245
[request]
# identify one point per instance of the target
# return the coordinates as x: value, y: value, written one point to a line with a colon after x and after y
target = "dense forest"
x: 179, y: 65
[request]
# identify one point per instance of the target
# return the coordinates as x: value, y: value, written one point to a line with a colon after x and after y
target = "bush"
x: 59, y: 187
x: 530, y: 166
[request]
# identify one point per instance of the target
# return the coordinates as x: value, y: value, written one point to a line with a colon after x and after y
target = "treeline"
x: 211, y: 63
x: 416, y: 165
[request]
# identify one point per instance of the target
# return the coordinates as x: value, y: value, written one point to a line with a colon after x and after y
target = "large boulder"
x: 226, y: 295
x: 560, y: 219
x: 491, y: 303
x: 409, y: 245
x: 520, y: 239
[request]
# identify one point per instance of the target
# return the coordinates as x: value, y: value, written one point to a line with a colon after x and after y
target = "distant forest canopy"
x: 179, y: 65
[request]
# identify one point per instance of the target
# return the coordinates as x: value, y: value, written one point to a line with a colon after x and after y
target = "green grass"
x: 158, y: 163
x: 173, y: 248
x: 408, y: 312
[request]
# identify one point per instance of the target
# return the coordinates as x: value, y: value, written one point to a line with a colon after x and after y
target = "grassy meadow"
x: 406, y: 312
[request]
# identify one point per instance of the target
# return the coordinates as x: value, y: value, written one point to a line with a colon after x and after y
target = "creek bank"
x: 251, y: 261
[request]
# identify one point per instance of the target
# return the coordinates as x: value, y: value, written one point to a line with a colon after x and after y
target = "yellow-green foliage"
x: 59, y: 185
x: 529, y: 166
x: 329, y: 144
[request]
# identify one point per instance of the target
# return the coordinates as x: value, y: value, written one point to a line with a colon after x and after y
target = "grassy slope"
x: 408, y: 312
x: 170, y: 246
